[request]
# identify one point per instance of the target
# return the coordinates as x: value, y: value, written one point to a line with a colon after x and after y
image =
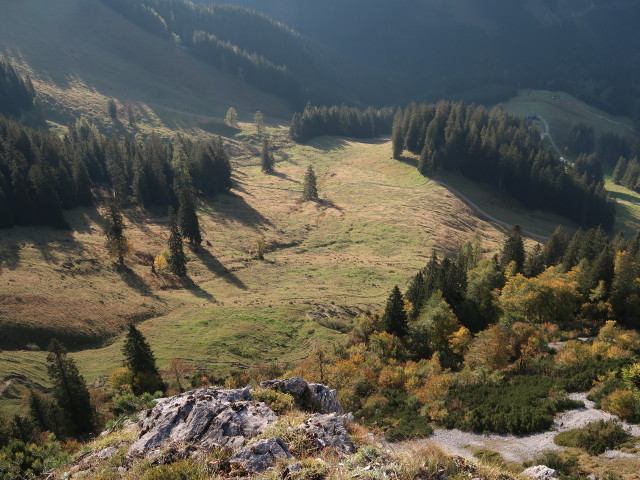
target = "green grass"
x: 564, y: 111
x: 374, y: 228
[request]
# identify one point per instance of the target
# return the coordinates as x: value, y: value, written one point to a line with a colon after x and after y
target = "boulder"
x: 540, y: 472
x: 315, y: 397
x: 205, y: 419
x: 330, y: 431
x: 261, y: 455
x: 325, y: 399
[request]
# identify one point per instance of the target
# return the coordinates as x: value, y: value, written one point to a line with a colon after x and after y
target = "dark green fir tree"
x: 310, y: 189
x: 394, y: 319
x: 177, y: 258
x: 141, y: 362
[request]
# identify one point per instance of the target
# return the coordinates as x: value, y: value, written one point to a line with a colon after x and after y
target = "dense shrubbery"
x: 595, y: 438
x: 342, y: 121
x: 41, y: 174
x: 517, y: 405
x: 501, y: 150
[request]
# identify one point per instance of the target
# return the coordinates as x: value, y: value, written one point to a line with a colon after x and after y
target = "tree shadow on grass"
x: 408, y: 161
x: 214, y: 266
x: 237, y: 209
x: 284, y: 176
x: 197, y: 290
x: 135, y: 281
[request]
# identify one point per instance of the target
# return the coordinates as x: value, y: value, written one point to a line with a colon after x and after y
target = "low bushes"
x: 595, y: 438
x: 518, y: 405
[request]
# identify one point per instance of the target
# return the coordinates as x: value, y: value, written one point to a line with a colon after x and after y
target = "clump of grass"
x: 595, y: 438
x: 280, y: 403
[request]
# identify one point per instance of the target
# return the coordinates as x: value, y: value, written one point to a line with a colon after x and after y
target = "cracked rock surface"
x: 206, y: 418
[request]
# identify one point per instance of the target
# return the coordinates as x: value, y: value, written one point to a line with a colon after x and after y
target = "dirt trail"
x: 521, y: 448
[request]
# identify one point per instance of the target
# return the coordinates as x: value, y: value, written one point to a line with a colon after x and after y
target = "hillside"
x: 371, y: 232
x: 79, y: 54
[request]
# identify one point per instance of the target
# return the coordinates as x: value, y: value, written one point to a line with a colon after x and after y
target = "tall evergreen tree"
x: 310, y: 190
x: 70, y: 390
x: 513, y: 248
x: 187, y: 215
x: 267, y: 160
x: 177, y: 258
x: 141, y: 362
x: 394, y: 319
x: 258, y: 119
x: 397, y: 135
x: 117, y: 244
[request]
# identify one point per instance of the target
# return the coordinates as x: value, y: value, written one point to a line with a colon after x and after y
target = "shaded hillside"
x: 79, y: 54
x: 475, y: 49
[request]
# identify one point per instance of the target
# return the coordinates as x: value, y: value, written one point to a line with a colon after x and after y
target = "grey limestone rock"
x: 261, y: 456
x: 315, y: 396
x: 206, y: 419
x: 540, y: 472
x: 330, y: 431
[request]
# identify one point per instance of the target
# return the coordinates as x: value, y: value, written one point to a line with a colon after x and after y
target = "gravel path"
x: 521, y: 448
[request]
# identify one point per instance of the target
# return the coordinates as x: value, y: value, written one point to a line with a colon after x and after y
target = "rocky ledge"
x: 203, y: 420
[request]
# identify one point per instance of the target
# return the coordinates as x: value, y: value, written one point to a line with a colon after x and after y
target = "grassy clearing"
x: 562, y: 111
x: 504, y: 208
x: 376, y: 224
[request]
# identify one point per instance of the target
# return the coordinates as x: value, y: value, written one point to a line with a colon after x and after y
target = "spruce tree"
x: 187, y: 216
x: 267, y: 161
x: 141, y: 362
x: 117, y: 244
x: 397, y: 135
x: 177, y: 258
x: 394, y: 319
x: 513, y: 248
x: 69, y: 390
x: 232, y: 117
x: 258, y: 119
x: 310, y: 190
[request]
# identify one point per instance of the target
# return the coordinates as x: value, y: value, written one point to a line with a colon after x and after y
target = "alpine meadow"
x: 297, y: 240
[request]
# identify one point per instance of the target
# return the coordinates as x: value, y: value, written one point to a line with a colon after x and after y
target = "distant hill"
x: 80, y: 53
x: 482, y: 49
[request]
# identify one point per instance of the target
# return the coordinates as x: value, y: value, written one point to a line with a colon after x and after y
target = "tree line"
x: 17, y: 95
x: 41, y: 174
x: 341, y: 121
x: 502, y: 150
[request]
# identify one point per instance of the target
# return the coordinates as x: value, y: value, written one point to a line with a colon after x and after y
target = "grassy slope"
x: 79, y: 53
x: 377, y: 226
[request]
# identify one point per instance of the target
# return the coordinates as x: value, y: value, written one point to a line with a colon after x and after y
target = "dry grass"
x: 377, y: 224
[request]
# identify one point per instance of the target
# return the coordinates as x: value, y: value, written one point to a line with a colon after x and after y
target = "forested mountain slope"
x: 79, y: 54
x: 479, y: 48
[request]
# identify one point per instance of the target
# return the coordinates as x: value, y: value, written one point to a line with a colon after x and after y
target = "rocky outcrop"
x: 325, y: 399
x: 261, y: 456
x: 540, y: 472
x: 330, y: 431
x: 314, y: 397
x: 206, y: 418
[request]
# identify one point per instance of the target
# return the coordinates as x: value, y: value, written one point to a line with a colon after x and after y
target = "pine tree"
x: 112, y: 109
x: 232, y: 117
x: 555, y: 247
x: 258, y: 119
x: 117, y: 244
x: 310, y: 190
x: 268, y: 161
x: 177, y: 258
x: 394, y: 320
x: 187, y: 216
x: 534, y: 263
x: 513, y: 249
x: 141, y: 362
x: 70, y: 390
x: 397, y: 134
x: 81, y: 181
